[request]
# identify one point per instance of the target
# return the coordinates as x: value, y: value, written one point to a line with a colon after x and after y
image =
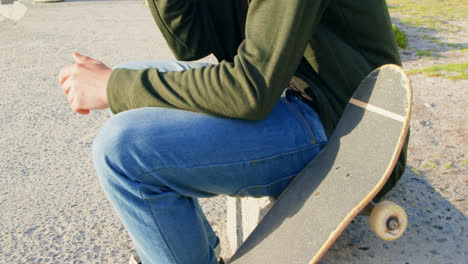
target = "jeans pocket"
x: 301, y: 118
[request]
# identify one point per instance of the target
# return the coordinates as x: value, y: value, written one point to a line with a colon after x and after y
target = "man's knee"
x: 112, y: 142
x: 121, y: 156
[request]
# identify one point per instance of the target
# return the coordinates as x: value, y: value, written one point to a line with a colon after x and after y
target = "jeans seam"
x: 261, y: 185
x: 302, y: 119
x: 245, y: 161
x: 157, y: 225
x: 287, y: 177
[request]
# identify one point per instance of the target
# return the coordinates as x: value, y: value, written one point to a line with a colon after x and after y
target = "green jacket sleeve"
x: 181, y: 24
x: 194, y: 29
x: 277, y: 33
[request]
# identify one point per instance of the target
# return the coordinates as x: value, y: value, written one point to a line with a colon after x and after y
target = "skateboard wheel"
x: 388, y: 220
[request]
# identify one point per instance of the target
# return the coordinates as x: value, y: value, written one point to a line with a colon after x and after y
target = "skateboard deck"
x: 342, y: 179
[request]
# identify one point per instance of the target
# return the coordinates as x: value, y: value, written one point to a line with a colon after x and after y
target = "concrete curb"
x: 243, y: 215
x: 14, y: 11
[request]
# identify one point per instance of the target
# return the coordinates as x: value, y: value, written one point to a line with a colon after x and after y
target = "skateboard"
x: 342, y: 180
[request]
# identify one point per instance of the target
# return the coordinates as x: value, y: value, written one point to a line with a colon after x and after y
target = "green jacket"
x: 343, y: 41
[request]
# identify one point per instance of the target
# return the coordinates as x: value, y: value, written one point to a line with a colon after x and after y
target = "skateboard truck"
x: 393, y: 223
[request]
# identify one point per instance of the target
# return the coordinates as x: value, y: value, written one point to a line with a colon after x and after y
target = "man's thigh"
x: 199, y: 155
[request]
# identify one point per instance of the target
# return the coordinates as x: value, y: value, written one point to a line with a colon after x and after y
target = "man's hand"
x: 85, y: 84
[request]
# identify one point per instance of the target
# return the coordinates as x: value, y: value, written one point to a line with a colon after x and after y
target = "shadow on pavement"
x: 437, y: 231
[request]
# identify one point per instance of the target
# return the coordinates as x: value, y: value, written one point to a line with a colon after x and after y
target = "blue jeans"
x: 153, y: 164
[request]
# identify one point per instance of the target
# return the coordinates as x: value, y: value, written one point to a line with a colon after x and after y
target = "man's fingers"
x: 75, y: 106
x: 65, y: 72
x: 70, y: 96
x: 72, y: 101
x: 84, y: 84
x: 83, y: 111
x: 81, y: 58
x: 68, y: 70
x: 67, y: 85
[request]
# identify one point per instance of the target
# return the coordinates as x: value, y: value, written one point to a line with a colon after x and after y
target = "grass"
x: 401, y: 38
x: 455, y: 71
x: 428, y: 54
x: 432, y: 166
x: 449, y: 166
x: 416, y: 171
x: 423, y: 53
x: 435, y: 15
x: 432, y: 54
x: 438, y: 42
